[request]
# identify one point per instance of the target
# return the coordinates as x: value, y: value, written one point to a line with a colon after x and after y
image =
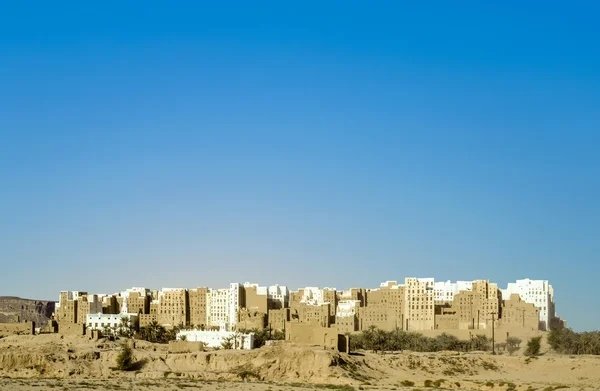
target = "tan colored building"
x: 138, y: 303
x: 353, y: 294
x: 198, y: 306
x: 330, y: 296
x: 346, y: 316
x: 83, y: 308
x: 67, y: 307
x: 314, y: 335
x: 418, y: 307
x: 476, y: 309
x: 296, y: 298
x: 146, y: 319
x: 173, y: 307
x: 249, y: 320
x: 87, y: 304
x: 382, y: 307
x: 518, y: 313
x: 308, y: 313
x: 255, y: 300
x: 278, y: 318
x: 110, y: 305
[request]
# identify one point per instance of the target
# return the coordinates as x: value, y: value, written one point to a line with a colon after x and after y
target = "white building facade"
x: 444, y: 292
x: 216, y: 338
x: 223, y: 306
x: 110, y: 321
x: 347, y: 308
x: 278, y: 296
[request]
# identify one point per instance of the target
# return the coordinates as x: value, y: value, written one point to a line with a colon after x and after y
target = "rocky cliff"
x: 16, y: 309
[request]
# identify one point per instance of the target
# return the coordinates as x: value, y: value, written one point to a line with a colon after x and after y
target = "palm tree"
x: 125, y: 328
x: 227, y: 342
x: 153, y: 332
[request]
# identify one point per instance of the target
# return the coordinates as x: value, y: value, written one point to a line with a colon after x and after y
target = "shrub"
x: 438, y: 382
x: 248, y: 375
x: 533, y: 346
x: 125, y: 357
x: 407, y: 383
x: 512, y: 344
x: 489, y: 366
x: 428, y: 383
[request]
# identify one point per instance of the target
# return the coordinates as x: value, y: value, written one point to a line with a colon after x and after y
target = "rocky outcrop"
x: 56, y: 356
x: 16, y: 309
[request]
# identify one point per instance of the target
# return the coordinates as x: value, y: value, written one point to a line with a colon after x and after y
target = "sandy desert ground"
x: 77, y: 363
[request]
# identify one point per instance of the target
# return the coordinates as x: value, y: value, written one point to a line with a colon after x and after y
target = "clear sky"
x: 300, y: 143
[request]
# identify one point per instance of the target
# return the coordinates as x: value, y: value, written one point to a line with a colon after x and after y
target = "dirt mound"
x: 75, y: 357
x: 53, y: 356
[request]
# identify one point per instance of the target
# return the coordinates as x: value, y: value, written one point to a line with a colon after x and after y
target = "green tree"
x: 125, y: 328
x: 533, y: 346
x: 228, y: 342
x: 513, y: 344
x: 125, y: 357
x: 154, y: 332
x: 480, y: 342
x: 445, y: 342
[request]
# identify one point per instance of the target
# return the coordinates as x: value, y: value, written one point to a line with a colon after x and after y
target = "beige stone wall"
x: 314, y: 335
x: 500, y: 333
x: 185, y: 347
x: 71, y: 329
x: 446, y: 322
x: 26, y: 328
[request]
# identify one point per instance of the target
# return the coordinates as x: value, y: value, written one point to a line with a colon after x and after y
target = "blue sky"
x: 301, y: 144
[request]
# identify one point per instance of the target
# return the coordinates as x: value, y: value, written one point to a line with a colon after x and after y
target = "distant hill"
x: 15, y: 309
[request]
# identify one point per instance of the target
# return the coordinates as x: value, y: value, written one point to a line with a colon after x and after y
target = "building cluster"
x: 417, y: 304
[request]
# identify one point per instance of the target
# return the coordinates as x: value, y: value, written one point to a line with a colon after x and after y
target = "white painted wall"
x: 214, y: 339
x: 102, y: 321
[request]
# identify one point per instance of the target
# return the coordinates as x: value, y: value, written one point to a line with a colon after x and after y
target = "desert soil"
x: 77, y: 363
